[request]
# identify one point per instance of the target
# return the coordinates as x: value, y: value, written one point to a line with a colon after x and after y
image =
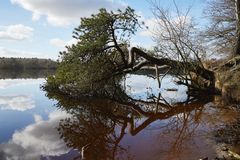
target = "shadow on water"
x: 152, y: 128
x: 24, y: 74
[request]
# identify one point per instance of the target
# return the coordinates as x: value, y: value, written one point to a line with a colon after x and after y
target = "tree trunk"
x: 178, y: 66
x: 207, y: 74
x: 237, y: 11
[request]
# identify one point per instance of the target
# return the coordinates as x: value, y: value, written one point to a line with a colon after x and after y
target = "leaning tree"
x: 102, y: 55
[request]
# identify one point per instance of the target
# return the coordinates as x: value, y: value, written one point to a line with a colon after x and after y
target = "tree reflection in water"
x: 97, y: 125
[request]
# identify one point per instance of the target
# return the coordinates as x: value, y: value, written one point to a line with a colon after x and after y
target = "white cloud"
x: 63, y: 12
x: 19, y: 103
x: 151, y: 27
x: 36, y: 16
x: 36, y: 140
x: 4, y: 52
x: 61, y: 43
x: 16, y: 32
x: 5, y: 83
x: 157, y: 26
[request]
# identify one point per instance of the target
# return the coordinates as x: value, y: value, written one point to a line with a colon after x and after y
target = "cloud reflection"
x: 140, y: 87
x: 5, y: 83
x: 19, y: 103
x: 36, y: 140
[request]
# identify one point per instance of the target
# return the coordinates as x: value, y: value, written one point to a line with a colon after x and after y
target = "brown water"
x: 177, y: 127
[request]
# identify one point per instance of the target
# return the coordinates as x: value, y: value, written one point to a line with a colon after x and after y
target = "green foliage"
x: 101, y: 34
x: 88, y: 66
x: 87, y: 78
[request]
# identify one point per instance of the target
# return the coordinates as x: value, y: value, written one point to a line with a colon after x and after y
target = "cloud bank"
x: 5, y: 52
x: 62, y: 12
x: 61, y: 43
x: 16, y: 32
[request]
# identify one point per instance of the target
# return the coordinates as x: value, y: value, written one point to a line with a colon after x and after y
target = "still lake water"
x: 34, y: 127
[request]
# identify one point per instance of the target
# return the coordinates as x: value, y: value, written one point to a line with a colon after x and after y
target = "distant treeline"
x: 27, y: 63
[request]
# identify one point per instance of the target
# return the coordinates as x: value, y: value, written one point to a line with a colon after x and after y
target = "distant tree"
x: 27, y: 63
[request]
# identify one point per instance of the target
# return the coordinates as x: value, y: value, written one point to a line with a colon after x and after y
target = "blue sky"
x: 41, y: 28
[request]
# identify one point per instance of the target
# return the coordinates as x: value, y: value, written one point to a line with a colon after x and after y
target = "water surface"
x: 34, y: 127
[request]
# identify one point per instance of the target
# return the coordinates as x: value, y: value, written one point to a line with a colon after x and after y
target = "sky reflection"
x: 31, y: 124
x: 140, y: 87
x: 35, y: 140
x: 19, y: 103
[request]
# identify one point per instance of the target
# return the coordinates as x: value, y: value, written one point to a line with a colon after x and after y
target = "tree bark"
x: 237, y: 11
x: 206, y: 74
